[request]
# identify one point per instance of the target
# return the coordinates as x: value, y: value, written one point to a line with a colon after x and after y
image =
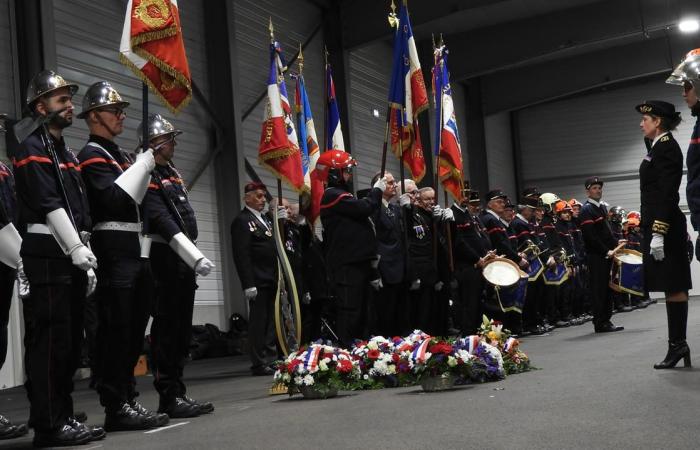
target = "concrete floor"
x: 591, y: 391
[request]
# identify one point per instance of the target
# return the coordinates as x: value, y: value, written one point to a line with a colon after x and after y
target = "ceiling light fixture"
x: 689, y: 26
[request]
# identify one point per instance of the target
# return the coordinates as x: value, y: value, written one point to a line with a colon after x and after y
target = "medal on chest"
x: 420, y: 231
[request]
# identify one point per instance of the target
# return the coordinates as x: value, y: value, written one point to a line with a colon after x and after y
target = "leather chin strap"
x: 101, y: 122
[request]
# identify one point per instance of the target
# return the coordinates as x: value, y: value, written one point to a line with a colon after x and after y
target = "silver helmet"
x: 99, y: 95
x: 44, y: 82
x: 687, y: 70
x: 157, y: 126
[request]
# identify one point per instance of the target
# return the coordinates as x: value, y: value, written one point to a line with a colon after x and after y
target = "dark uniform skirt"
x: 673, y: 273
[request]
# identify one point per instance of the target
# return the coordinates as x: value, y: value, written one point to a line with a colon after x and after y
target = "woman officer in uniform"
x: 666, y: 266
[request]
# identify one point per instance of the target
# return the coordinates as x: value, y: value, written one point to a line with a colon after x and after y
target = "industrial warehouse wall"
x: 499, y: 154
x: 87, y: 35
x: 566, y: 141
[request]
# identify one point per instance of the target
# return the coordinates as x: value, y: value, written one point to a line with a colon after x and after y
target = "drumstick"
x: 618, y: 248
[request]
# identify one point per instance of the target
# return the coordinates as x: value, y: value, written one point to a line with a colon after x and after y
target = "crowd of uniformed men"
x: 112, y: 232
x: 103, y: 230
x: 389, y: 262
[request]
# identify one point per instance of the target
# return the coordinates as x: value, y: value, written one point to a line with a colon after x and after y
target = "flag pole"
x: 144, y: 107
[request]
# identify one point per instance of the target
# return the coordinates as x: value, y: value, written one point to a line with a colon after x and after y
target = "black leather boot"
x: 177, y: 408
x: 161, y: 419
x: 127, y: 419
x: 66, y: 436
x: 204, y: 407
x: 677, y: 318
x: 676, y: 351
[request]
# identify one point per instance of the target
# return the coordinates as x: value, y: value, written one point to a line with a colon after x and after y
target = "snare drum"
x: 557, y: 275
x: 508, y: 282
x: 627, y: 272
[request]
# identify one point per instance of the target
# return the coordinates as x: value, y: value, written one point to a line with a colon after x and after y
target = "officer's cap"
x: 658, y: 108
x: 593, y: 181
x: 495, y: 194
x: 474, y: 197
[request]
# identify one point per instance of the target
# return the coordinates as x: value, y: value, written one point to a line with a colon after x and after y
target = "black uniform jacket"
x: 577, y: 234
x: 422, y: 263
x: 660, y: 178
x: 567, y: 240
x: 551, y: 237
x: 348, y: 234
x: 38, y: 192
x: 254, y: 250
x: 167, y: 206
x: 597, y: 234
x: 101, y: 163
x: 500, y: 241
x: 469, y: 239
x: 524, y: 231
x: 388, y: 224
x: 8, y: 202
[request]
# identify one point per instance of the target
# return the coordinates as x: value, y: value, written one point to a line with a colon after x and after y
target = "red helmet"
x: 333, y: 159
x: 634, y: 214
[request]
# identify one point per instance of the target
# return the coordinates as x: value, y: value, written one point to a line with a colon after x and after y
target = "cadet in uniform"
x: 116, y: 186
x: 616, y: 214
x: 666, y: 266
x: 349, y: 240
x: 175, y: 262
x: 600, y: 243
x: 572, y: 309
x: 255, y: 256
x: 10, y: 268
x: 53, y: 213
x: 581, y: 291
x: 471, y: 244
x: 556, y: 295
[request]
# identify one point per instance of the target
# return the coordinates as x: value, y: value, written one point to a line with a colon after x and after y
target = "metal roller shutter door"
x: 87, y: 43
x: 499, y: 154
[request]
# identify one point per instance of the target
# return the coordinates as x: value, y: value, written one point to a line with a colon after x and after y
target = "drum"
x: 557, y: 275
x: 508, y: 282
x: 627, y: 273
x: 532, y: 255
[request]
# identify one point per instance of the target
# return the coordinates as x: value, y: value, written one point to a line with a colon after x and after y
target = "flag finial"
x: 272, y: 30
x: 301, y: 59
x: 393, y: 19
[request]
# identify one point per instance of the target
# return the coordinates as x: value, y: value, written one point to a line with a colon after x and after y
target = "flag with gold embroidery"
x: 152, y: 46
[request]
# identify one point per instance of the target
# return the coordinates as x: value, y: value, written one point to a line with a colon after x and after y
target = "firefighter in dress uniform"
x: 666, y: 266
x: 175, y: 262
x: 600, y: 243
x: 563, y: 226
x: 557, y: 296
x: 10, y: 269
x: 54, y: 217
x: 581, y: 291
x: 616, y: 216
x: 471, y: 244
x: 116, y: 186
x: 350, y: 242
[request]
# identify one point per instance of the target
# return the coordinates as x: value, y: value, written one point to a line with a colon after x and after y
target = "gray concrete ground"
x: 591, y: 391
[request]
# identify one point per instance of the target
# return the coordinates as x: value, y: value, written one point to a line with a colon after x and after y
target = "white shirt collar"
x: 504, y: 222
x: 385, y: 202
x: 490, y: 211
x: 656, y: 139
x: 595, y: 202
x: 456, y: 205
x: 258, y: 216
x: 521, y: 217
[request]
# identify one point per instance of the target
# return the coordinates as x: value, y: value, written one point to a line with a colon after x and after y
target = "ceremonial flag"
x: 447, y: 146
x: 334, y: 133
x: 279, y: 149
x: 308, y: 142
x: 152, y: 46
x: 407, y: 98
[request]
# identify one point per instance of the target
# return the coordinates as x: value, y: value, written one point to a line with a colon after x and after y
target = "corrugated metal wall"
x: 499, y: 154
x: 7, y: 69
x: 87, y: 45
x: 293, y: 25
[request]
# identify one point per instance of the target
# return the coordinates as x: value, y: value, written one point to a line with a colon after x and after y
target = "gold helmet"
x: 44, y: 82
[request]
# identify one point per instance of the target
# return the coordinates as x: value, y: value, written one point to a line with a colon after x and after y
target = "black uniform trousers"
x: 599, y: 276
x: 390, y: 308
x: 261, y: 327
x: 470, y: 284
x: 53, y: 316
x: 123, y: 296
x: 351, y: 288
x: 533, y: 303
x: 424, y: 305
x: 171, y: 330
x: 7, y: 283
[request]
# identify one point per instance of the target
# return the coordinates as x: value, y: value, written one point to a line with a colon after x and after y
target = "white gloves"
x: 376, y: 284
x: 448, y: 215
x: 251, y: 293
x: 437, y: 212
x: 67, y: 238
x: 404, y: 200
x: 656, y: 248
x: 381, y: 184
x: 415, y: 285
x: 204, y: 267
x: 550, y: 262
x: 22, y: 281
x: 281, y: 213
x: 306, y: 299
x: 134, y: 181
x: 91, y: 282
x: 148, y: 160
x: 438, y: 286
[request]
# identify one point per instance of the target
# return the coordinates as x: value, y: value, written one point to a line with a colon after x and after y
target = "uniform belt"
x: 134, y: 227
x: 38, y: 228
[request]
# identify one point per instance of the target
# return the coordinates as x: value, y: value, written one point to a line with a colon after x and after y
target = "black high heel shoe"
x: 676, y: 351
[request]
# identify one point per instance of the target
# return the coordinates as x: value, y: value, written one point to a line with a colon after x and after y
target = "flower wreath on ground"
x: 514, y: 359
x: 322, y: 367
